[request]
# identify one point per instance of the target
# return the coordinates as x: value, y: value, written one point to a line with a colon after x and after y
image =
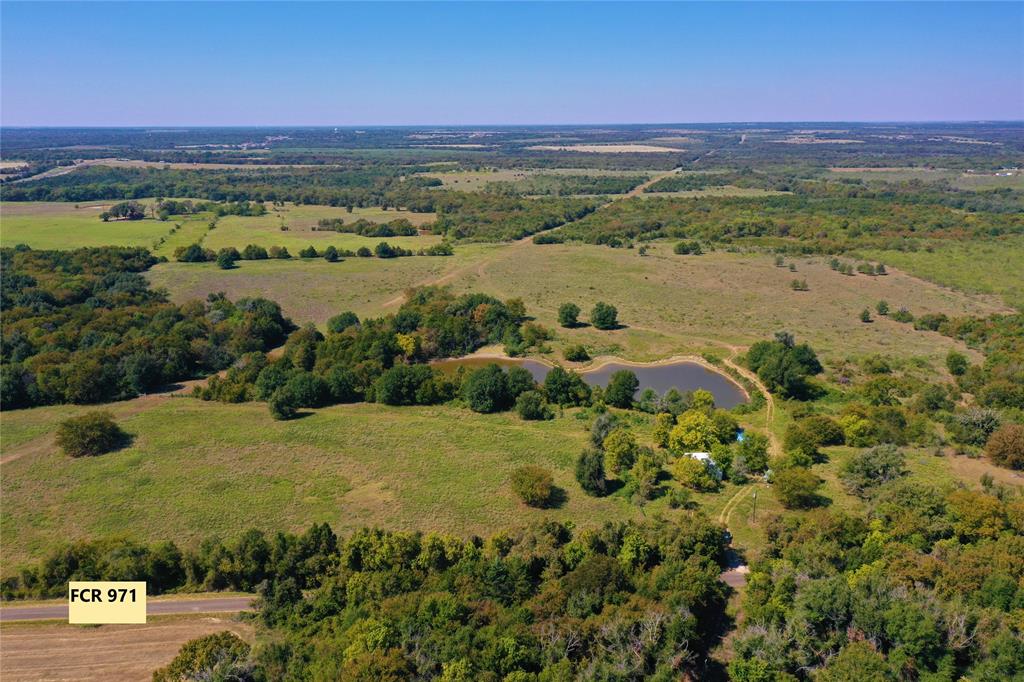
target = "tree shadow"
x: 557, y: 498
x: 612, y: 486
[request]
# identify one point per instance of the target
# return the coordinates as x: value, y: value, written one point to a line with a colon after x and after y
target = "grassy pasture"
x: 313, y: 290
x: 668, y: 304
x: 60, y: 225
x: 266, y: 230
x: 968, y: 181
x: 475, y: 181
x: 989, y: 267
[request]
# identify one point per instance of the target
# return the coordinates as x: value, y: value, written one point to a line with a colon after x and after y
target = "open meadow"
x: 60, y: 225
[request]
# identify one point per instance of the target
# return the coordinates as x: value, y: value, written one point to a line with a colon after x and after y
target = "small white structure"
x: 708, y: 462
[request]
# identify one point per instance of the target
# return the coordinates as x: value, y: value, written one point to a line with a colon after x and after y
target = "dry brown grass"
x: 38, y: 651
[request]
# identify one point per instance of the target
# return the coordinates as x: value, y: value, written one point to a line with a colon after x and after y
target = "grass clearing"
x: 60, y: 225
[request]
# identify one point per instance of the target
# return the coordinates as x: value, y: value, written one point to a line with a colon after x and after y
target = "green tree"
x: 564, y: 387
x: 331, y: 254
x: 212, y: 657
x: 865, y: 315
x: 604, y: 316
x: 694, y: 432
x: 342, y: 321
x: 882, y: 308
x: 283, y: 404
x: 486, y: 390
x: 568, y: 315
x: 225, y: 259
x: 621, y: 387
x: 693, y: 473
x: 531, y: 406
x: 590, y: 472
x: 663, y: 423
x: 796, y: 488
x: 620, y: 450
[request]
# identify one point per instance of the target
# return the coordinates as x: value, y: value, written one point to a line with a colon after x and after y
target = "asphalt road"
x: 153, y: 608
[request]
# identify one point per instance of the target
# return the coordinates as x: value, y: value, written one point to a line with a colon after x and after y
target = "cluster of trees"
x: 400, y: 227
x: 386, y: 360
x: 783, y: 365
x: 489, y: 217
x: 603, y: 316
x: 925, y: 586
x: 625, y: 601
x: 84, y: 326
x: 125, y: 210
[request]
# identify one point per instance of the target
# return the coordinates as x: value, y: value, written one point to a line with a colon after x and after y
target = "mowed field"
x: 34, y: 652
x: 475, y: 181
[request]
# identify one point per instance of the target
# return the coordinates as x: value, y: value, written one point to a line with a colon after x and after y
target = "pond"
x: 683, y: 375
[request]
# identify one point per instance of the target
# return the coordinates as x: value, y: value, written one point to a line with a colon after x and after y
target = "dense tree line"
x: 399, y: 227
x: 925, y: 586
x: 486, y: 217
x: 627, y: 601
x: 827, y: 224
x: 564, y: 185
x: 84, y: 326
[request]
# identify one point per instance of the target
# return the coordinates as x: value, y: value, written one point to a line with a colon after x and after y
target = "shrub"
x: 280, y: 252
x: 283, y: 404
x: 865, y: 316
x: 254, y: 252
x: 605, y: 423
x: 577, y: 353
x: 533, y: 485
x: 531, y: 406
x: 568, y: 314
x: 226, y: 259
x: 331, y: 254
x: 309, y: 252
x: 796, y: 488
x: 604, y: 316
x: 956, y: 363
x: 663, y: 423
x: 341, y: 322
x: 864, y: 472
x: 590, y: 472
x: 1005, y: 447
x: 882, y: 308
x: 94, y: 433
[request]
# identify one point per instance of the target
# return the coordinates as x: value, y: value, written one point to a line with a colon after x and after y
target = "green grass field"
x: 668, y: 304
x: 990, y: 267
x: 56, y: 225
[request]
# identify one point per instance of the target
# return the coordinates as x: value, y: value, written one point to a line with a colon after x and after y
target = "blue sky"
x: 451, y: 63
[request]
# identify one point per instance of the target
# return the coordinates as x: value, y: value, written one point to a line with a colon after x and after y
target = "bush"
x: 309, y: 252
x: 956, y: 363
x: 590, y: 472
x: 577, y: 353
x: 279, y: 252
x: 283, y: 404
x: 226, y: 258
x: 568, y: 315
x: 604, y: 316
x: 254, y: 252
x: 533, y: 485
x: 864, y: 472
x: 531, y: 406
x: 1005, y: 447
x: 331, y: 254
x: 796, y: 488
x: 94, y: 433
x: 340, y: 323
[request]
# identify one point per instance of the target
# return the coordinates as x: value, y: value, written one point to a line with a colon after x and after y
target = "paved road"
x: 153, y: 608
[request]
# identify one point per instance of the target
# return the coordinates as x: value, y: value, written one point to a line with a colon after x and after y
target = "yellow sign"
x: 91, y: 603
